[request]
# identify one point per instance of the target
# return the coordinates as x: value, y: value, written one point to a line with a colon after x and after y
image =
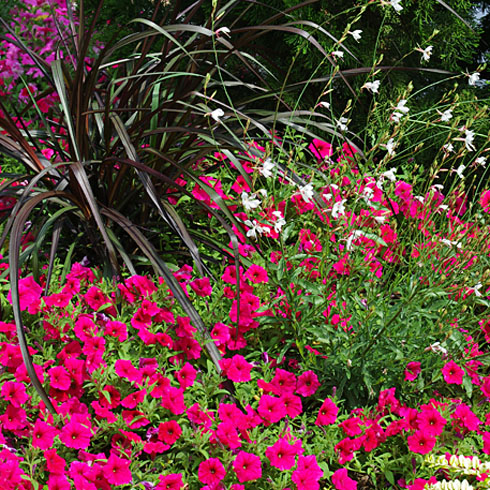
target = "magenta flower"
x: 60, y: 379
x: 125, y: 369
x: 420, y: 442
x: 75, y: 435
x: 282, y: 455
x: 58, y: 482
x: 211, y: 471
x: 117, y: 471
x: 485, y: 201
x: 186, y: 375
x: 202, y: 287
x: 237, y: 368
x: 328, y: 413
x: 431, y: 421
x: 15, y: 393
x: 43, y: 435
x: 54, y: 462
x: 29, y: 295
x: 452, y: 373
x: 172, y: 481
x: 412, y: 371
x: 133, y: 399
x: 292, y: 404
x: 247, y: 466
x: 321, y: 149
x: 341, y: 480
x: 257, y: 274
x: 228, y: 435
x: 271, y: 409
x: 169, y: 431
x: 307, y: 383
x: 116, y: 329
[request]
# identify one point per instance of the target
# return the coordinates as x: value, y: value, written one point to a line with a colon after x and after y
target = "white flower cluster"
x: 466, y: 465
x: 450, y: 485
x: 400, y: 110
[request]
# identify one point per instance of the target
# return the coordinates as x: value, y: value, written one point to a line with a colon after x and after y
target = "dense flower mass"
x: 351, y: 337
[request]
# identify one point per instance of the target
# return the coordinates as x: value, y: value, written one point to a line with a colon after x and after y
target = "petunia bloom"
x: 247, y: 466
x: 211, y: 471
x: 328, y: 413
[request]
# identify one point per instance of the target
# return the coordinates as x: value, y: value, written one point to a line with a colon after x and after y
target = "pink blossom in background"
x: 321, y: 149
x: 412, y: 371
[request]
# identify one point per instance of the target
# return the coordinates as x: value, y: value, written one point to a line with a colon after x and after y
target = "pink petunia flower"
x: 328, y: 413
x: 271, y: 409
x: 485, y: 201
x: 412, y: 371
x: 452, y: 373
x: 282, y: 455
x: 307, y: 473
x: 172, y: 481
x: 257, y: 274
x: 75, y: 435
x: 420, y: 442
x: 29, y: 295
x: 307, y: 383
x: 211, y: 471
x: 431, y: 421
x: 186, y: 375
x: 237, y: 368
x: 247, y: 466
x: 341, y: 480
x: 15, y: 393
x: 117, y: 471
x: 169, y: 432
x: 321, y: 149
x: 43, y: 435
x: 202, y: 287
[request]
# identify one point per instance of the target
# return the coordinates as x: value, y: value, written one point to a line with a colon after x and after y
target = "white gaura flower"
x: 469, y: 136
x: 372, y: 86
x: 400, y: 110
x: 390, y: 174
x: 356, y: 34
x: 459, y: 171
x: 338, y: 209
x: 254, y: 229
x: 482, y: 161
x: 476, y: 289
x: 338, y: 53
x: 248, y: 202
x: 390, y: 147
x: 280, y: 221
x: 448, y: 148
x: 437, y: 347
x: 396, y: 5
x: 474, y: 77
x: 306, y: 192
x: 325, y: 105
x: 217, y: 114
x: 267, y: 167
x: 223, y: 30
x: 426, y: 53
x: 446, y: 115
x: 342, y: 123
x: 355, y: 235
